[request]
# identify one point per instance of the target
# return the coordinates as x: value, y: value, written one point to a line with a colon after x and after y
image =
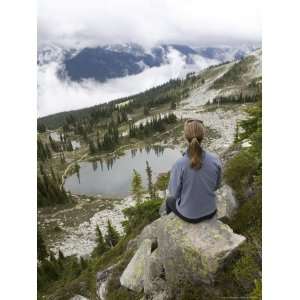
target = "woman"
x: 194, y: 178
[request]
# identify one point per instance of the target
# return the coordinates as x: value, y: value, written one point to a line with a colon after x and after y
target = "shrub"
x: 239, y: 172
x: 141, y: 215
x: 257, y: 291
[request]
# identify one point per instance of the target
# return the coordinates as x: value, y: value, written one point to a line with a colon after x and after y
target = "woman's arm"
x: 175, y: 183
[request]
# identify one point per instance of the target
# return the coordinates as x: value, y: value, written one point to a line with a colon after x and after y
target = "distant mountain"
x: 102, y: 63
x: 113, y: 61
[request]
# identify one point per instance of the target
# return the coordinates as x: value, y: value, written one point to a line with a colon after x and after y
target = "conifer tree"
x: 50, y: 269
x: 77, y: 169
x: 112, y: 236
x: 101, y: 245
x: 136, y: 187
x: 54, y: 145
x: 41, y: 128
x: 75, y: 268
x: 48, y: 190
x: 150, y: 184
x: 62, y: 157
x: 52, y: 257
x: 49, y: 155
x: 236, y: 137
x: 42, y: 252
x: 69, y: 145
x: 83, y: 263
x: 92, y: 147
x: 53, y: 175
x: 43, y: 152
x: 60, y: 255
x: 98, y: 142
x: 146, y: 110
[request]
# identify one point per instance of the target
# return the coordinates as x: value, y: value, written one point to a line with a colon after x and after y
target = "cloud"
x: 81, y: 23
x: 55, y: 95
x: 94, y: 22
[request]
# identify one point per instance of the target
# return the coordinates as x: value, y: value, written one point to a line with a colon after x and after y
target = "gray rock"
x: 78, y: 297
x: 154, y: 274
x: 132, y: 244
x: 160, y: 296
x: 149, y: 232
x: 194, y: 252
x: 226, y: 202
x: 162, y: 194
x: 102, y: 279
x: 172, y: 250
x: 163, y: 209
x: 133, y: 276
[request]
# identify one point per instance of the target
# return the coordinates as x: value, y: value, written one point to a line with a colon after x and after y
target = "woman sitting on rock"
x: 194, y: 178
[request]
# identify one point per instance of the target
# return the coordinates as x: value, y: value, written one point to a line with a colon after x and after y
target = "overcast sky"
x: 80, y: 23
x: 96, y: 22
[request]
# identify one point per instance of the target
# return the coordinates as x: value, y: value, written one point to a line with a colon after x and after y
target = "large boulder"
x: 171, y: 250
x: 133, y: 275
x: 154, y: 276
x: 102, y: 279
x: 149, y: 232
x: 194, y: 252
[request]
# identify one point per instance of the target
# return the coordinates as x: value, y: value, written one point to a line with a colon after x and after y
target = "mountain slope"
x: 229, y: 79
x: 113, y: 61
x: 100, y: 274
x: 204, y: 89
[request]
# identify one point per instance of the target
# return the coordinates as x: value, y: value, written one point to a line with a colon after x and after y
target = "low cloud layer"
x: 55, y: 95
x: 83, y: 23
x: 98, y: 22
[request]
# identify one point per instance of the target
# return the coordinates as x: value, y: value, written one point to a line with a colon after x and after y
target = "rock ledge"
x: 172, y: 250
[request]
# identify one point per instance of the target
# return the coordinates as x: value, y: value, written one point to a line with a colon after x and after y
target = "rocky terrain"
x: 169, y: 250
x: 80, y: 240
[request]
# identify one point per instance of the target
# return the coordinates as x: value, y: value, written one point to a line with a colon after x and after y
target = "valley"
x: 92, y: 152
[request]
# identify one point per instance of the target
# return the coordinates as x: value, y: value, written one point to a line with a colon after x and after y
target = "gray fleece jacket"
x: 193, y: 189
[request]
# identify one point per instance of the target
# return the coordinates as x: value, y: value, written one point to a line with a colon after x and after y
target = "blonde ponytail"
x: 195, y: 153
x: 194, y: 133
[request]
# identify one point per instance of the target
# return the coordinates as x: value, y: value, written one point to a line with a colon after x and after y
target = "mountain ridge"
x: 101, y: 63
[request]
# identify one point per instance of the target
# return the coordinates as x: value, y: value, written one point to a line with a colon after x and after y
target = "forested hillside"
x: 110, y: 230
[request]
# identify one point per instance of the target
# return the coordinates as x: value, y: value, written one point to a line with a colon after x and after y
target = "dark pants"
x: 171, y: 207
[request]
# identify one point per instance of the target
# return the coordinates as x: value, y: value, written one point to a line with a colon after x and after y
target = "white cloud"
x: 56, y: 95
x: 82, y: 23
x: 90, y: 22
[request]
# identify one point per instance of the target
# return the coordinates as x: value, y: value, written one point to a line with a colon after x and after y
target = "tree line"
x: 233, y: 99
x: 110, y: 140
x: 43, y: 151
x: 51, y: 268
x: 59, y: 273
x: 48, y: 189
x: 156, y: 124
x: 172, y: 91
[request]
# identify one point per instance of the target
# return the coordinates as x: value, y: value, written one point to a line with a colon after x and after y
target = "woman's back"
x: 194, y: 189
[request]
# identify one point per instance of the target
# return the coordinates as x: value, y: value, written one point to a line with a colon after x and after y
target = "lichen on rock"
x: 185, y: 252
x: 133, y: 276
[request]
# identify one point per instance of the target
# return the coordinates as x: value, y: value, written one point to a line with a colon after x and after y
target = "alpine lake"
x: 111, y: 176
